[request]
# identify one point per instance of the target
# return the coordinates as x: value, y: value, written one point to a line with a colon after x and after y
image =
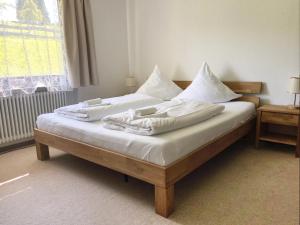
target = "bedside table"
x: 278, y: 124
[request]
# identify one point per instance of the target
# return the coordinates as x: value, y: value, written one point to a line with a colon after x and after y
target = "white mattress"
x: 161, y: 149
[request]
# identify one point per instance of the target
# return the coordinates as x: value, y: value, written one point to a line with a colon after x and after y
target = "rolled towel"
x: 91, y: 102
x: 145, y: 111
x: 133, y: 115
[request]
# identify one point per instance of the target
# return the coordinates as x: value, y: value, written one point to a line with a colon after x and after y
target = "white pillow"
x: 207, y: 87
x: 159, y: 86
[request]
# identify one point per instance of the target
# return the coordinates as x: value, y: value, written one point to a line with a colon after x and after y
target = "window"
x: 31, y: 47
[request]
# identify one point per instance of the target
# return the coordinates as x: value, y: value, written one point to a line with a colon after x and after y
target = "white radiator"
x: 18, y: 113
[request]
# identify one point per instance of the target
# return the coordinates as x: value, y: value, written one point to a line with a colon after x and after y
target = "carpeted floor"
x: 242, y: 186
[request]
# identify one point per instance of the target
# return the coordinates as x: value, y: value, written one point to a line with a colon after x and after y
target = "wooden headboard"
x: 244, y: 88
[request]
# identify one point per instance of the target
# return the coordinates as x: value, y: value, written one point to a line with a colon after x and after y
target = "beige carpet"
x: 242, y: 186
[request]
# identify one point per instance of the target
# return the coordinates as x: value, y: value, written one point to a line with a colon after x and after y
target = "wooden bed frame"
x: 162, y: 177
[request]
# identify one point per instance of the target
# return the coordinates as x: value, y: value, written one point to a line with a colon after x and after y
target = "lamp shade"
x: 131, y: 81
x: 294, y: 86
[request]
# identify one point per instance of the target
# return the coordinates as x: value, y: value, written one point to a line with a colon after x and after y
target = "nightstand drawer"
x: 279, y: 118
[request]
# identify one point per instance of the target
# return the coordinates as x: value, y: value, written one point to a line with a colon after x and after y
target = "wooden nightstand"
x: 278, y: 124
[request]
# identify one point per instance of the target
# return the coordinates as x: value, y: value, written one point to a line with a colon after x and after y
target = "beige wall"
x: 109, y: 18
x: 255, y: 40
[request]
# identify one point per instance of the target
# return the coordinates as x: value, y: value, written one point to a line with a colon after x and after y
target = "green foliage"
x: 32, y: 11
x: 36, y: 53
x: 3, y: 5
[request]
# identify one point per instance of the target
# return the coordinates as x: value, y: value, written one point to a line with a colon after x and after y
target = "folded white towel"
x: 107, y: 107
x: 135, y: 114
x: 145, y: 111
x: 92, y: 102
x: 170, y: 116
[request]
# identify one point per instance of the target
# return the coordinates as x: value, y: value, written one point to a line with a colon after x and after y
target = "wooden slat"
x: 237, y: 86
x: 279, y: 118
x: 182, y: 83
x: 183, y: 167
x: 279, y: 138
x: 142, y: 170
x: 280, y: 109
x: 244, y: 87
x: 298, y: 139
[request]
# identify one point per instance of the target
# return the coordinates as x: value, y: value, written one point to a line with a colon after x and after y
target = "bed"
x: 161, y: 160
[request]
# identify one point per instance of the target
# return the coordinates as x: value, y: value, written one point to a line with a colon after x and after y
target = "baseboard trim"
x: 16, y: 146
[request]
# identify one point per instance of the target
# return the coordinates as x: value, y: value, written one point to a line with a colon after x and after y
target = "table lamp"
x: 294, y: 88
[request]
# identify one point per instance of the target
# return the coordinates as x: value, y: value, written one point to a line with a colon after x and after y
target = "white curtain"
x: 31, y: 47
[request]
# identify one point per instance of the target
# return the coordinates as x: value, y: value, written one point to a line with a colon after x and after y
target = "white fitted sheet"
x: 161, y: 149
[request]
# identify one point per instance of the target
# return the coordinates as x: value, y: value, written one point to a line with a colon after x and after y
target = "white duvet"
x: 107, y: 107
x: 169, y: 116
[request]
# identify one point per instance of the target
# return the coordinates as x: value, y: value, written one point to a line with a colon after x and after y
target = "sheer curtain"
x: 31, y: 47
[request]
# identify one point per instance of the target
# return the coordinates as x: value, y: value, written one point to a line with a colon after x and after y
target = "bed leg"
x: 164, y: 200
x: 42, y: 151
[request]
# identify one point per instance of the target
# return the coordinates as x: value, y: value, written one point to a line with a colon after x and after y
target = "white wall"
x: 240, y: 39
x: 109, y: 20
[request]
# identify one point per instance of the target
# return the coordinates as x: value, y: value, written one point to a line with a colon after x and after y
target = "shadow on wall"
x: 265, y: 92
